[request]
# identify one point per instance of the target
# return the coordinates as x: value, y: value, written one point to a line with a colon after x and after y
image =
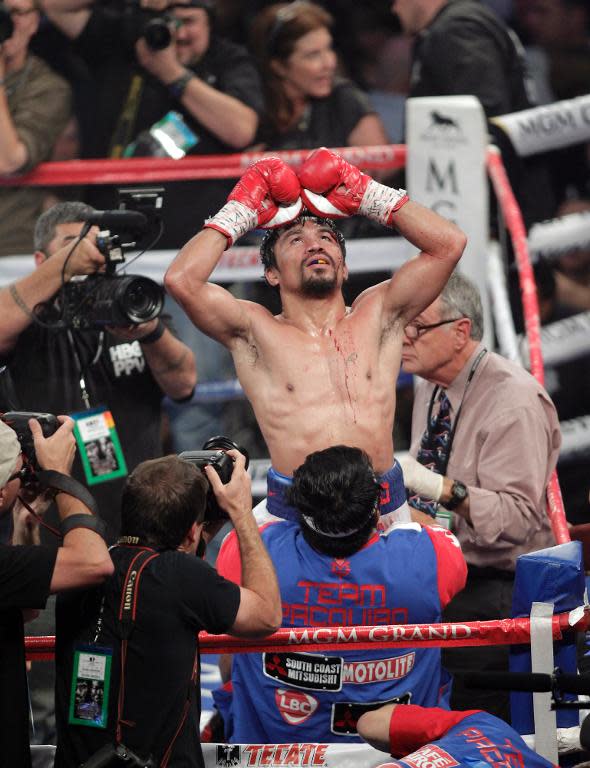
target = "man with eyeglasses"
x: 489, y: 457
x: 34, y: 110
x: 28, y: 574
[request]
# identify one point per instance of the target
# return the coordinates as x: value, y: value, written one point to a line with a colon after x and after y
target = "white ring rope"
x: 551, y: 126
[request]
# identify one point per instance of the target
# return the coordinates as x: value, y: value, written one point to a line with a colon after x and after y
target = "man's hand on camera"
x: 57, y: 451
x: 85, y: 259
x: 234, y: 497
x: 163, y: 65
x: 133, y: 332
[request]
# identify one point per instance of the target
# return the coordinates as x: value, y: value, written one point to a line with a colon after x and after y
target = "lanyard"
x: 435, y: 392
x: 81, y: 369
x: 125, y: 126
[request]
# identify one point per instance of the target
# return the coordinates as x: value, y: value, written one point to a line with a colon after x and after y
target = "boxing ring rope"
x: 474, y: 633
x: 151, y: 169
x: 530, y: 304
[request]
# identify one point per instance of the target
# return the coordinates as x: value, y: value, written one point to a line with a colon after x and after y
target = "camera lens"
x: 140, y: 299
x: 222, y: 443
x: 157, y: 34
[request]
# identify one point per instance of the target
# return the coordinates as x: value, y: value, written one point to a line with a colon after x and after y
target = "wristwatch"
x: 459, y: 493
x: 176, y: 87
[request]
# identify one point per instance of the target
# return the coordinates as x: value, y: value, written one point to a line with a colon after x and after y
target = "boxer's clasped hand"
x: 333, y: 188
x: 267, y: 195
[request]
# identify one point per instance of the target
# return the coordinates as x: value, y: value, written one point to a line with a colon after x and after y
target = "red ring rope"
x: 471, y: 633
x: 145, y: 170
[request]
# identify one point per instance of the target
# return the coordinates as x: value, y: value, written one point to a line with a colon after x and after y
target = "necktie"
x: 433, y: 450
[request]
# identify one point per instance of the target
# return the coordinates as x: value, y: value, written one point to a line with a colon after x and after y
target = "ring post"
x: 446, y: 171
x: 554, y: 575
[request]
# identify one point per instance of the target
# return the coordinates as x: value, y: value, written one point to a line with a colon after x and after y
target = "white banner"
x: 548, y: 127
x: 446, y: 171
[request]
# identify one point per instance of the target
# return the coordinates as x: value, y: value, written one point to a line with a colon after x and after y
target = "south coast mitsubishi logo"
x: 295, y: 706
x: 443, y: 127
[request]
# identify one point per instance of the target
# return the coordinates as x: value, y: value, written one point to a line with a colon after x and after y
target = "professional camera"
x: 101, y: 299
x: 107, y: 298
x: 6, y: 24
x: 135, y: 22
x: 214, y: 453
x: 19, y: 422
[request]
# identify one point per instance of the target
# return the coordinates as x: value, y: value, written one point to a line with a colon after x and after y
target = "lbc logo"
x: 295, y: 706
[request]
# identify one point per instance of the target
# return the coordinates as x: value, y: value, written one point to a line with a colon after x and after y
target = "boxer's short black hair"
x: 267, y: 247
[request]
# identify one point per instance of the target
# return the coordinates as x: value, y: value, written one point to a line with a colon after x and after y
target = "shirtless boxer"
x: 319, y: 373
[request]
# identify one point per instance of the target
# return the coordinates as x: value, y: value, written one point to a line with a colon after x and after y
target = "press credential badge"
x: 91, y: 678
x: 99, y: 445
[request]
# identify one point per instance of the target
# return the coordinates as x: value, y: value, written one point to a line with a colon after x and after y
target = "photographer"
x: 152, y: 705
x: 118, y: 374
x: 115, y: 377
x: 211, y: 82
x: 28, y: 574
x: 34, y: 109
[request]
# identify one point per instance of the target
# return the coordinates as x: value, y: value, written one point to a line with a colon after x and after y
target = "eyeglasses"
x: 416, y: 331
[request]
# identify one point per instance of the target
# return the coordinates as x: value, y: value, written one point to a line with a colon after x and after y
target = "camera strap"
x: 125, y: 127
x: 81, y: 368
x: 49, y: 478
x: 126, y: 616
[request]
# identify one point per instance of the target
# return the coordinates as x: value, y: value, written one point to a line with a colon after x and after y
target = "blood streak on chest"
x: 349, y: 359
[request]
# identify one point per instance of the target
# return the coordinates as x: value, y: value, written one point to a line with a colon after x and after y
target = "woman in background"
x: 308, y: 104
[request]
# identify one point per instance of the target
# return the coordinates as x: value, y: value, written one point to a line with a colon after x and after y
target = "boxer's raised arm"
x: 267, y: 195
x: 333, y: 187
x: 417, y: 283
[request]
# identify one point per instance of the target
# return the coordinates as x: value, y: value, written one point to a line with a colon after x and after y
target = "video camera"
x: 214, y: 454
x: 19, y: 422
x: 107, y: 298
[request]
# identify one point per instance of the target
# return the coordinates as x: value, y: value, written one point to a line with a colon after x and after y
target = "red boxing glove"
x: 333, y: 188
x: 267, y: 195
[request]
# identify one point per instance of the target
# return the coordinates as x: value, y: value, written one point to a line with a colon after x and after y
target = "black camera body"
x: 214, y: 454
x: 6, y: 24
x: 19, y: 422
x: 135, y: 22
x: 94, y: 301
x: 91, y: 302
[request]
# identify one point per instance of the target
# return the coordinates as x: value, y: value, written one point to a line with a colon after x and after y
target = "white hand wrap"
x: 379, y: 202
x: 421, y: 480
x: 233, y: 220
